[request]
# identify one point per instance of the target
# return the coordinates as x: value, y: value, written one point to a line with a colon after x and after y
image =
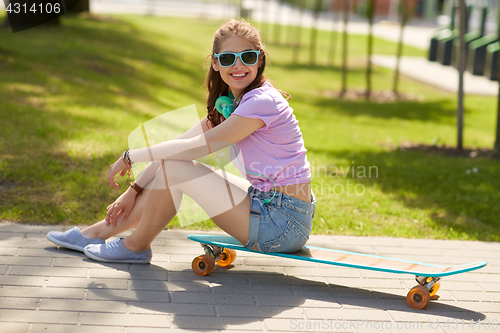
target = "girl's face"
x: 238, y: 76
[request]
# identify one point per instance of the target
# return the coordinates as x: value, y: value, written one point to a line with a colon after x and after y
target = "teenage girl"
x: 273, y: 214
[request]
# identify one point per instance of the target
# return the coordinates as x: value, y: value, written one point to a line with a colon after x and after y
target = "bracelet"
x: 136, y: 187
x: 127, y: 160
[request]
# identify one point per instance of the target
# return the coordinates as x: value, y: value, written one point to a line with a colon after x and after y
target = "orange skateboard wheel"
x: 203, y: 265
x: 418, y: 297
x: 227, y: 257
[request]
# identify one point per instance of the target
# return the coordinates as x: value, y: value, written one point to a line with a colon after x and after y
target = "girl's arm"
x: 149, y: 172
x: 230, y: 131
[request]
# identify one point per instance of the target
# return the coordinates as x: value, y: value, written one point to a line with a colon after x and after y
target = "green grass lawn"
x: 71, y: 95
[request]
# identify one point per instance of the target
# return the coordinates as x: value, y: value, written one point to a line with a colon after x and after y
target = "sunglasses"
x: 228, y: 59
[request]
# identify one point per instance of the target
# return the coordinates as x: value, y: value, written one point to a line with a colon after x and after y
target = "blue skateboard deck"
x: 348, y: 259
x: 427, y: 275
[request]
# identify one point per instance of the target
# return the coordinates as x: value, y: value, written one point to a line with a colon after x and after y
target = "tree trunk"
x: 277, y: 24
x: 298, y: 32
x: 399, y: 53
x: 461, y: 69
x: 344, y: 49
x: 496, y: 148
x: 314, y: 32
x: 371, y: 14
x: 333, y: 37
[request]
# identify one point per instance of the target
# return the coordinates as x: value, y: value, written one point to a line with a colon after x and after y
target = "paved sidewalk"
x: 439, y: 76
x: 50, y: 289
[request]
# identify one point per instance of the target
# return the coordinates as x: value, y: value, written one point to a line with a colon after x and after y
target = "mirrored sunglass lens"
x: 226, y: 59
x: 249, y: 58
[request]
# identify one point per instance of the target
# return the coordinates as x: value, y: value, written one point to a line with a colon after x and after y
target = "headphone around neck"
x: 225, y: 105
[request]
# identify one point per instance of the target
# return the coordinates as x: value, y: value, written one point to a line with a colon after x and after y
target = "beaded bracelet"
x: 127, y: 160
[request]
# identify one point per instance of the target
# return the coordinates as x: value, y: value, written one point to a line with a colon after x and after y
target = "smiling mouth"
x: 239, y: 75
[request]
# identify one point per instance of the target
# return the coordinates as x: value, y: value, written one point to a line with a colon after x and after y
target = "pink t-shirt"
x: 276, y: 149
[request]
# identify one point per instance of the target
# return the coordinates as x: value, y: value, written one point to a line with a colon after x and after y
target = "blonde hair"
x: 215, y: 85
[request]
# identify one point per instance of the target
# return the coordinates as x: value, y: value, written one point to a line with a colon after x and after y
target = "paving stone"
x: 305, y: 325
x: 113, y: 319
x: 173, y: 309
x: 31, y: 316
x: 18, y: 303
x: 84, y: 262
x: 319, y: 301
x: 334, y: 291
x: 214, y: 277
x: 83, y: 305
x: 23, y: 291
x: 275, y: 279
x: 254, y: 289
x: 136, y: 274
x: 346, y: 314
x: 51, y: 253
x: 476, y: 296
x: 12, y: 260
x: 55, y: 328
x: 13, y: 280
x: 14, y: 327
x: 460, y: 326
x: 8, y: 251
x: 48, y: 271
x: 165, y: 330
x: 258, y: 311
x: 427, y: 316
x: 170, y: 286
x: 219, y: 323
x: 219, y: 298
x: 35, y: 244
x: 91, y: 283
x: 129, y: 295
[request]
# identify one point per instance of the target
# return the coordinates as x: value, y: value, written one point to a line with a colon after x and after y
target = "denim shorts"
x: 283, y: 225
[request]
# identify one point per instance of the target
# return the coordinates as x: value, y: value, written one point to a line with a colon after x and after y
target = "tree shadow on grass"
x: 459, y: 193
x: 441, y: 111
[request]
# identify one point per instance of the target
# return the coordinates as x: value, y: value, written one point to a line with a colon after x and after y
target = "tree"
x: 333, y: 36
x: 298, y: 32
x: 403, y: 9
x: 344, y: 49
x: 461, y: 69
x: 370, y: 12
x: 496, y: 148
x: 277, y: 23
x: 314, y: 31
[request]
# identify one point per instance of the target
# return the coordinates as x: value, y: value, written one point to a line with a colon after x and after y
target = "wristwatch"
x: 136, y: 187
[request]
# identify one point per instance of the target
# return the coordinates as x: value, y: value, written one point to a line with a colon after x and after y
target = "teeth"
x: 238, y: 75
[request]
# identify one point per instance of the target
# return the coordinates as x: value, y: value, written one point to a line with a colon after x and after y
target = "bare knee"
x: 175, y: 172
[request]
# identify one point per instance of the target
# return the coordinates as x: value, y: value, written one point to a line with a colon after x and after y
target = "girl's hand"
x: 118, y: 167
x: 119, y: 210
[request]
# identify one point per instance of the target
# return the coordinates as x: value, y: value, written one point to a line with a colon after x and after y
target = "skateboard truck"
x: 426, y: 290
x: 205, y: 264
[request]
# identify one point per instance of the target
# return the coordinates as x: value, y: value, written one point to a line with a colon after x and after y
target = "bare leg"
x: 226, y: 202
x: 101, y: 230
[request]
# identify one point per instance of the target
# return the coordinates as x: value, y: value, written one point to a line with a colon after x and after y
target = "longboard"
x: 221, y: 250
